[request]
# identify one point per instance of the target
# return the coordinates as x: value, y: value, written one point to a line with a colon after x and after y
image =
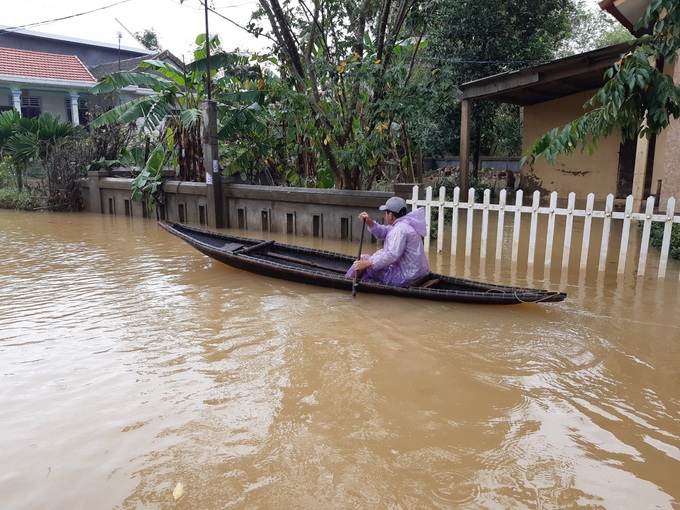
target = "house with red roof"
x: 42, y: 72
x: 34, y: 82
x: 48, y: 73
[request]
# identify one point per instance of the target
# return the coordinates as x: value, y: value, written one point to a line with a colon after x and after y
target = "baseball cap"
x: 394, y: 205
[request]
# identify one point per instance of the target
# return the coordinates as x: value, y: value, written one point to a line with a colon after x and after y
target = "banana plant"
x: 172, y: 105
x: 148, y: 182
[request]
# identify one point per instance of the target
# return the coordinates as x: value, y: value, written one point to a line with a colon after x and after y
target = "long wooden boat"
x: 328, y: 269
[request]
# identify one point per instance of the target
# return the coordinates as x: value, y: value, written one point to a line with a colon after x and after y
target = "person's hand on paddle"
x: 360, y: 265
x: 364, y: 216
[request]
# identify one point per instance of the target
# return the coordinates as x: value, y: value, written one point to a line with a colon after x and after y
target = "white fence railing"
x: 561, y: 228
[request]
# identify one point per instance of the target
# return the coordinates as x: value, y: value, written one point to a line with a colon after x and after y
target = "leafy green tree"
x: 347, y: 70
x: 148, y: 39
x: 249, y: 140
x: 638, y: 99
x: 591, y: 28
x: 479, y: 38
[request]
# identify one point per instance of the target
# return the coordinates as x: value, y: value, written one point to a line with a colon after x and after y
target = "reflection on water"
x: 131, y: 363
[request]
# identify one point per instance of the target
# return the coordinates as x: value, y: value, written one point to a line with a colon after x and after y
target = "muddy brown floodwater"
x: 138, y: 374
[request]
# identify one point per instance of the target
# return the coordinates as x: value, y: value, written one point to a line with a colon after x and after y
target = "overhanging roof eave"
x: 562, y: 73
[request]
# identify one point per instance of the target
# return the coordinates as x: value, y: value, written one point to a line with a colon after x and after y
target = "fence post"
x: 606, y: 231
x: 551, y: 230
x: 440, y: 220
x: 667, y: 230
x: 571, y: 202
x: 485, y: 224
x: 428, y: 214
x: 647, y: 229
x: 586, y: 231
x: 517, y: 225
x: 625, y: 234
x: 454, y: 222
x: 501, y: 221
x: 534, y: 226
x: 468, y: 230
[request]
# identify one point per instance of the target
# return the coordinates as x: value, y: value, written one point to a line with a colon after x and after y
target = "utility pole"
x: 120, y: 36
x: 207, y: 49
x: 210, y: 151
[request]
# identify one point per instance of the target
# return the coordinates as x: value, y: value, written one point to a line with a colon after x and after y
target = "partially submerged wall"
x: 323, y: 213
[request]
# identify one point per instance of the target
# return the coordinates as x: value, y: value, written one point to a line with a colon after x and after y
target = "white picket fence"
x: 589, y: 220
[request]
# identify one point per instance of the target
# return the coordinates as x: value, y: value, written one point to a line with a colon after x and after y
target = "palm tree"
x: 8, y: 123
x: 28, y: 140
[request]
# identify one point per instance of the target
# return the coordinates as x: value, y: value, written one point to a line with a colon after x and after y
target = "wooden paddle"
x: 355, y: 283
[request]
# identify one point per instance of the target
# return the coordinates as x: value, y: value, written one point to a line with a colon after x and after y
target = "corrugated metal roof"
x: 556, y: 79
x: 34, y: 64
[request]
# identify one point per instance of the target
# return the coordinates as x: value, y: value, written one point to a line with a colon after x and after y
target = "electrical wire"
x: 9, y: 30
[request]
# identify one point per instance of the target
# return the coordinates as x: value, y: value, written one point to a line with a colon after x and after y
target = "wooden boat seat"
x: 430, y: 283
x: 232, y: 246
x: 256, y: 247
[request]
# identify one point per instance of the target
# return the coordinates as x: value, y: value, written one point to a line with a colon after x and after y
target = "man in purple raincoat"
x: 402, y: 259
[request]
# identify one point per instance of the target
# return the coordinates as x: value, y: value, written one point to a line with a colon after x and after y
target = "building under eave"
x: 554, y: 94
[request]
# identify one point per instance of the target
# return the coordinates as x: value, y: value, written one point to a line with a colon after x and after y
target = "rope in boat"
x: 547, y: 296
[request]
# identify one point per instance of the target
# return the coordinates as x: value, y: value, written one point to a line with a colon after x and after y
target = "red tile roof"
x: 34, y: 64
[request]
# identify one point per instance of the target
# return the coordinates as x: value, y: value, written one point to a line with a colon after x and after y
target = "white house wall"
x: 52, y: 101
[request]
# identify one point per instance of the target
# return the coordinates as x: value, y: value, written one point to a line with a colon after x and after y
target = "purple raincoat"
x: 402, y: 258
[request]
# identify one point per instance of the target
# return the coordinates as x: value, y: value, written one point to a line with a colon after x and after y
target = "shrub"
x: 12, y: 199
x: 7, y: 178
x: 656, y: 238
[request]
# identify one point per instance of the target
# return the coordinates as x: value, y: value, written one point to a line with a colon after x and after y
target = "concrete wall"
x: 667, y: 153
x: 330, y: 214
x: 581, y: 172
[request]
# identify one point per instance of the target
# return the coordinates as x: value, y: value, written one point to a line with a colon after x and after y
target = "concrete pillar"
x: 211, y: 164
x: 464, y: 146
x: 75, y: 118
x: 95, y: 194
x: 16, y: 100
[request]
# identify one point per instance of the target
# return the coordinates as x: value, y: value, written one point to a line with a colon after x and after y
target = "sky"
x: 175, y: 24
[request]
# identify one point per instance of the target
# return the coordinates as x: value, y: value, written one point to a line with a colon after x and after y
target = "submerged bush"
x: 13, y: 199
x: 656, y: 238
